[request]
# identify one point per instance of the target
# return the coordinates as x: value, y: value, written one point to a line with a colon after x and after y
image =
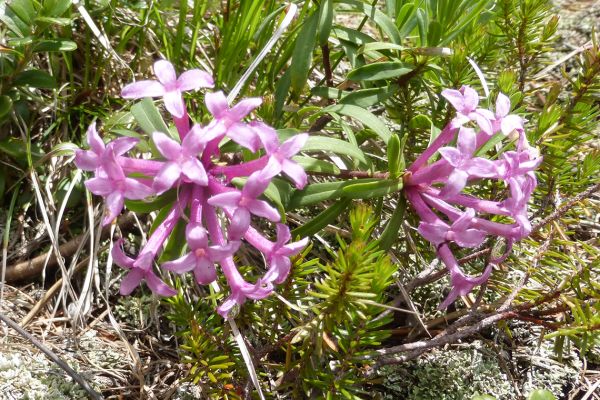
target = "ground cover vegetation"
x: 364, y: 192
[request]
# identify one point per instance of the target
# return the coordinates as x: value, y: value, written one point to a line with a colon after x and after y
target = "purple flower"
x: 465, y: 102
x: 243, y: 203
x: 90, y: 160
x: 169, y: 86
x: 116, y: 187
x: 502, y: 120
x: 139, y: 269
x: 202, y: 257
x: 280, y: 155
x: 231, y: 118
x: 182, y: 159
x: 279, y: 257
x: 465, y: 165
x: 460, y: 232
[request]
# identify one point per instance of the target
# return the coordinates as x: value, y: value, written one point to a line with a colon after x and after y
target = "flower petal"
x: 470, y: 238
x: 278, y: 270
x: 244, y: 107
x: 166, y: 177
x: 216, y: 103
x: 119, y: 256
x: 268, y: 136
x: 455, y: 98
x: 140, y: 89
x: 229, y: 199
x: 131, y: 281
x: 502, y: 105
x: 165, y: 72
x: 283, y: 235
x: 434, y: 232
x: 244, y: 136
x: 240, y: 221
x: 255, y: 185
x: 100, y: 186
x: 123, y: 144
x: 193, y: 169
x: 136, y: 190
x: 182, y: 264
x: 452, y: 155
x: 94, y: 140
x: 471, y: 99
x: 481, y: 167
x: 114, y: 206
x: 464, y: 221
x: 467, y: 142
x: 168, y: 147
x: 157, y: 286
x: 295, y: 172
x: 456, y: 182
x: 194, y: 141
x: 174, y: 103
x: 217, y: 253
x: 86, y: 160
x: 293, y: 248
x: 194, y: 79
x: 205, y: 272
x: 263, y: 209
x: 511, y: 123
x: 293, y: 145
x: 196, y: 236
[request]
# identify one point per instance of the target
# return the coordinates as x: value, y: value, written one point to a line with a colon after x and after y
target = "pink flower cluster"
x: 436, y: 190
x: 218, y: 215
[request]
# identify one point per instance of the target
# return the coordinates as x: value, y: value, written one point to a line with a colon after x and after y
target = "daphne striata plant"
x: 436, y: 190
x: 218, y: 214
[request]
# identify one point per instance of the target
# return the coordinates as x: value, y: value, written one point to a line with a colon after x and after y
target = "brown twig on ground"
x: 52, y: 356
x: 32, y: 268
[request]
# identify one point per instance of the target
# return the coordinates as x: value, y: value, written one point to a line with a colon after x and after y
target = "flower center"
x: 200, y: 252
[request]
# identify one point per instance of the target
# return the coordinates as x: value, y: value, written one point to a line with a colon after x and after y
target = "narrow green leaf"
x: 317, y: 193
x: 53, y: 21
x: 147, y: 116
x: 325, y: 21
x: 383, y: 21
x: 23, y: 9
x: 364, y: 116
x: 369, y: 97
x: 393, y: 154
x: 368, y: 190
x: 322, y: 143
x: 323, y: 219
x: 315, y: 165
x: 142, y: 206
x: 5, y: 106
x: 379, y: 71
x: 55, y: 8
x: 390, y: 232
x: 302, y: 54
x: 35, y: 78
x: 54, y: 45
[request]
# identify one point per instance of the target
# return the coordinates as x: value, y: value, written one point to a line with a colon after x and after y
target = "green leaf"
x: 322, y: 219
x: 147, y: 116
x: 390, y: 232
x: 483, y: 397
x: 23, y: 9
x: 5, y: 106
x: 35, y: 78
x: 325, y: 21
x: 302, y: 54
x: 370, y: 189
x: 317, y: 193
x: 142, y: 206
x: 393, y: 154
x: 366, y: 117
x: 383, y: 21
x: 541, y: 394
x: 377, y: 46
x: 322, y: 143
x: 55, y: 45
x: 315, y: 165
x: 327, y: 92
x: 175, y: 243
x: 369, y: 97
x: 55, y: 8
x: 379, y: 71
x: 53, y: 21
x: 405, y: 20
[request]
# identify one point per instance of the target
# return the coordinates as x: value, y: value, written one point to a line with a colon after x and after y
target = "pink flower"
x: 243, y: 203
x: 280, y: 155
x: 231, y: 118
x: 460, y: 232
x: 279, y: 257
x: 202, y: 257
x: 169, y: 86
x: 115, y: 186
x: 502, y: 120
x: 465, y: 102
x: 465, y: 165
x: 182, y: 159
x: 139, y: 269
x: 90, y: 160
